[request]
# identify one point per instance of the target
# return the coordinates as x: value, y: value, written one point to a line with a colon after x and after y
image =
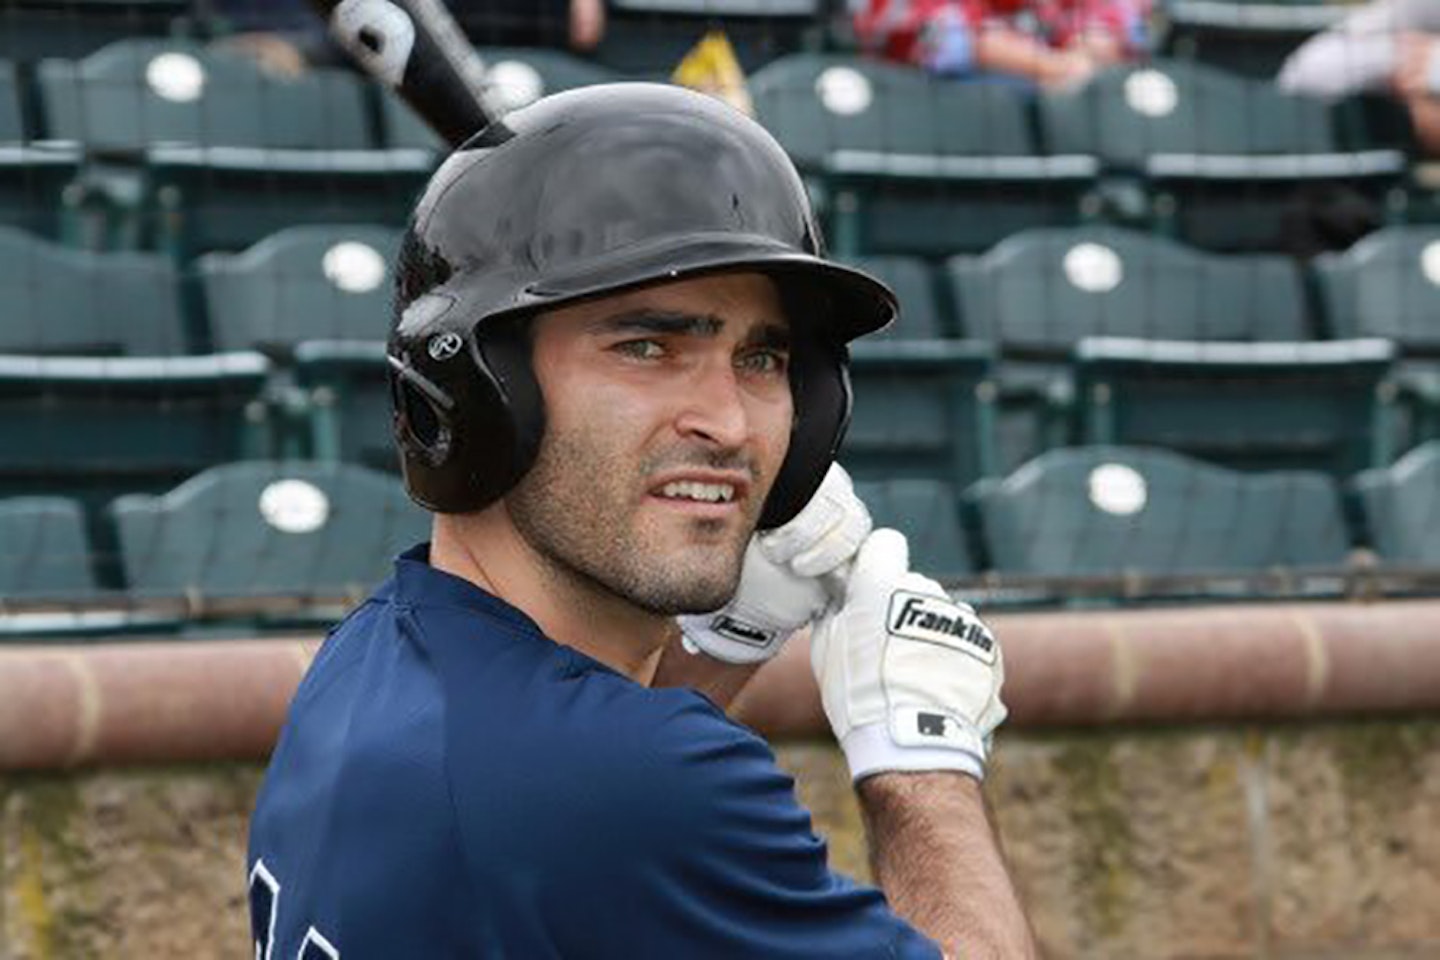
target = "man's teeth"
x: 708, y: 492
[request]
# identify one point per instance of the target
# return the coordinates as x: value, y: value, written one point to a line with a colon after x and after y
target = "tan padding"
x: 224, y: 700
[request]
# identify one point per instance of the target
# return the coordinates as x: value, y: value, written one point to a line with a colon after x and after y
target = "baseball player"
x: 619, y: 374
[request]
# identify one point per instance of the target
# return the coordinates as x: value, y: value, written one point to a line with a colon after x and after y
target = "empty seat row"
x: 900, y: 161
x: 248, y: 528
x: 909, y: 163
x: 315, y: 301
x: 1036, y: 294
x: 265, y: 528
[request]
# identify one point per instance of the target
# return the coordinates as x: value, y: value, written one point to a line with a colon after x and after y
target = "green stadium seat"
x: 59, y: 300
x: 648, y: 38
x: 229, y: 153
x: 94, y: 427
x: 1388, y: 285
x: 1317, y: 406
x: 45, y: 551
x: 921, y: 317
x: 1248, y: 38
x: 1116, y: 510
x: 316, y: 282
x: 33, y: 177
x: 347, y: 391
x: 927, y: 512
x: 1401, y: 504
x: 1039, y: 292
x: 1222, y: 157
x: 908, y: 163
x: 77, y: 28
x: 514, y: 77
x: 922, y: 409
x: 267, y: 528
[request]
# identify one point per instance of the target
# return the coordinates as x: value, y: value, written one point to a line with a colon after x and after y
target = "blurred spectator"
x: 1388, y: 46
x: 286, y: 36
x: 1054, y: 43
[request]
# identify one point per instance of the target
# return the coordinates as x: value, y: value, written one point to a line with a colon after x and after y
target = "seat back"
x: 60, y: 300
x: 261, y: 528
x: 1402, y: 507
x: 1387, y: 285
x: 92, y: 427
x: 1258, y: 406
x: 920, y: 315
x: 830, y: 110
x: 923, y: 408
x: 45, y: 551
x: 136, y: 93
x: 1126, y: 114
x: 514, y: 77
x: 1041, y: 291
x: 927, y: 512
x: 303, y: 283
x: 1111, y: 510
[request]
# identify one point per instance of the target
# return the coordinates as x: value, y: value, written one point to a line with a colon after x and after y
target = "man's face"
x: 668, y: 416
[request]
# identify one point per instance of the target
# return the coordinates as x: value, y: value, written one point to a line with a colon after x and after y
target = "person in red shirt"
x: 1054, y: 43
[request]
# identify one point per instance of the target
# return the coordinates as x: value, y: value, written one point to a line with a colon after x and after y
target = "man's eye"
x: 641, y: 349
x: 765, y: 361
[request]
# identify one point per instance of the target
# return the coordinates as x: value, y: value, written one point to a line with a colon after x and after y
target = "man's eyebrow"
x: 659, y: 321
x: 768, y: 334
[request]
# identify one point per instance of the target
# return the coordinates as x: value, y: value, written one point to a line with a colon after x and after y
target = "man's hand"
x: 1417, y: 65
x: 783, y: 580
x: 909, y: 678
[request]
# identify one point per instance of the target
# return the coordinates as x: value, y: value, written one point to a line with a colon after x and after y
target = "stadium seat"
x: 304, y: 283
x: 908, y: 163
x: 94, y: 427
x: 1402, y: 507
x: 1248, y: 38
x: 45, y: 553
x: 33, y: 177
x: 1315, y: 406
x: 922, y: 409
x: 267, y: 528
x: 1388, y: 285
x: 346, y: 386
x: 920, y: 314
x: 514, y: 77
x: 1115, y: 510
x: 927, y: 512
x: 229, y: 153
x: 60, y: 300
x: 648, y: 38
x: 1039, y: 292
x: 1223, y: 158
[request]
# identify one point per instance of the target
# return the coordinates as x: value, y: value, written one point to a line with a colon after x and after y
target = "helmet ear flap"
x: 820, y: 384
x: 469, y: 422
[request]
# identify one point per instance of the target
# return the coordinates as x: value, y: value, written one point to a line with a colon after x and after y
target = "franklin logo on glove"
x: 743, y: 632
x: 932, y: 620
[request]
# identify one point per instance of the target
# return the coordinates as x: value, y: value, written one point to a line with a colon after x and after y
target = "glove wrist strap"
x: 870, y: 750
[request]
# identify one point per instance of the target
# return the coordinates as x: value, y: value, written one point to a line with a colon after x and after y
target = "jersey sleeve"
x: 700, y: 849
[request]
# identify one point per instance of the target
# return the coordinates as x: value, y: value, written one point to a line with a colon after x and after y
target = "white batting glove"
x: 783, y: 580
x: 909, y: 678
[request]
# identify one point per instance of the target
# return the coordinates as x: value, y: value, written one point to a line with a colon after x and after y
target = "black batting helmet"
x: 583, y: 194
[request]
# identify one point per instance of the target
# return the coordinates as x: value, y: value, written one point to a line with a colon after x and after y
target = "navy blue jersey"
x: 452, y: 783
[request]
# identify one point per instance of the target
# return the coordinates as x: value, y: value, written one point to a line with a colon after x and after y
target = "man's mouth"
x: 697, y: 491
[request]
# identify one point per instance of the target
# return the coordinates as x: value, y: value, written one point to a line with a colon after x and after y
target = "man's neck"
x: 571, y: 609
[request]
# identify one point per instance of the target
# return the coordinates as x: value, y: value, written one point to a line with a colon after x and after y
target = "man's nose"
x: 713, y: 407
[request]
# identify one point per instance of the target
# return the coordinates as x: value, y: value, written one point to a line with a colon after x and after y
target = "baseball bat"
x: 415, y: 48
